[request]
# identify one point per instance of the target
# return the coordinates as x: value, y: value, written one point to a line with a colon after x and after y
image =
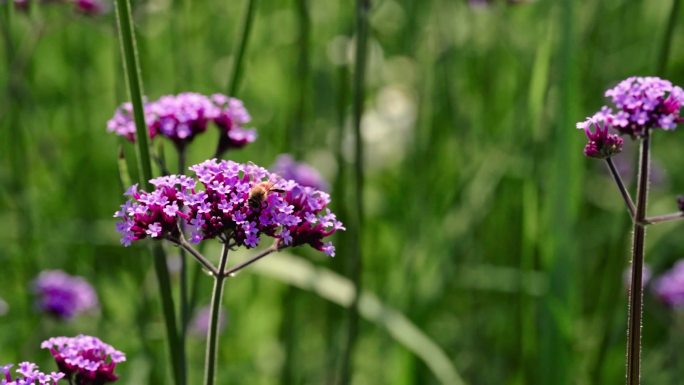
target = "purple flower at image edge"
x: 680, y: 203
x: 243, y: 200
x: 641, y: 104
x: 199, y: 325
x: 90, y: 7
x: 85, y: 359
x: 27, y: 373
x: 62, y: 295
x: 300, y: 172
x: 669, y: 287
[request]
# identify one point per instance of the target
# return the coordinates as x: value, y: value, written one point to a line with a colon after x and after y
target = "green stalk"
x: 356, y: 259
x: 667, y: 38
x: 212, y: 333
x: 132, y: 72
x: 236, y: 72
x: 636, y: 286
x: 243, y: 39
x: 184, y: 305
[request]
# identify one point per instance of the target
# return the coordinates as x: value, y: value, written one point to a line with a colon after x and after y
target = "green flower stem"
x: 198, y: 256
x: 667, y: 38
x: 356, y: 259
x: 212, y: 334
x: 621, y: 186
x: 132, y: 72
x: 236, y: 72
x: 636, y: 288
x: 184, y: 305
x: 232, y: 271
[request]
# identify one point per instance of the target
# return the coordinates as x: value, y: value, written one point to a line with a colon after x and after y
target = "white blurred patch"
x: 4, y: 308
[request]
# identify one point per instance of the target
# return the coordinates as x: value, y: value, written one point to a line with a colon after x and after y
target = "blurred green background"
x: 484, y: 225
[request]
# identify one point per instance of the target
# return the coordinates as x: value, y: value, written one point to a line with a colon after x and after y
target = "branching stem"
x: 621, y: 186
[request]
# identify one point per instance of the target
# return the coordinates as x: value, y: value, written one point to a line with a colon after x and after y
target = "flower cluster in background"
x: 85, y: 7
x: 669, y: 287
x: 27, y: 373
x: 239, y: 201
x: 62, y: 295
x: 181, y: 117
x: 84, y: 359
x: 302, y: 173
x: 199, y: 325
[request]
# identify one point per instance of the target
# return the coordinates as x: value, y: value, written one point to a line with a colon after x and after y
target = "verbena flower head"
x: 602, y: 144
x: 237, y: 203
x: 670, y: 286
x: 199, y: 325
x: 85, y: 360
x: 27, y: 373
x: 641, y: 104
x: 301, y: 173
x: 62, y: 295
x: 182, y: 117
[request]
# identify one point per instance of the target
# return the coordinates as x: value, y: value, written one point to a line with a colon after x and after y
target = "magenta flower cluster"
x: 238, y: 203
x: 181, y: 117
x: 62, y: 295
x: 601, y: 144
x: 85, y: 7
x: 27, y: 373
x: 300, y: 172
x: 85, y: 360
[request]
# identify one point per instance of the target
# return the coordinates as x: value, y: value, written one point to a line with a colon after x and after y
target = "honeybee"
x: 259, y: 193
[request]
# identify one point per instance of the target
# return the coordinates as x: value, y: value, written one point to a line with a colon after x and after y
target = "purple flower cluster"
x: 27, y: 373
x: 642, y: 103
x: 301, y: 173
x: 181, y: 117
x: 602, y: 144
x: 237, y: 203
x: 62, y: 295
x: 84, y: 360
x: 670, y: 286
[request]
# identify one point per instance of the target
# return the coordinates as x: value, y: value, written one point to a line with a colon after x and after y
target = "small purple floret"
x: 85, y: 360
x: 62, y: 295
